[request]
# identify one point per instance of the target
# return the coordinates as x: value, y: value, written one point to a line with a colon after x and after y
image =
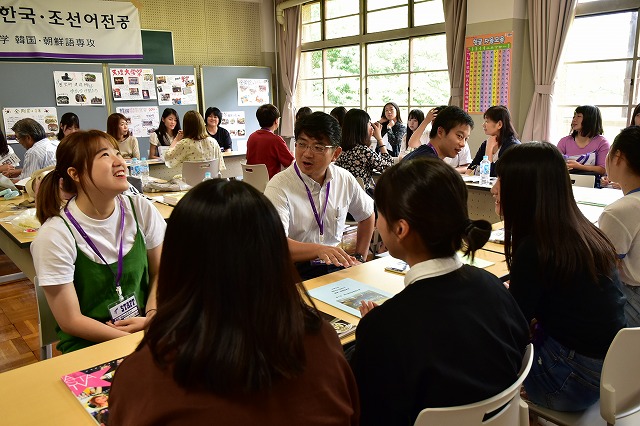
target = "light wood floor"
x: 19, y: 342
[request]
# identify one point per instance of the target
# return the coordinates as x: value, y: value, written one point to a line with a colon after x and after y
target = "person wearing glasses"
x: 264, y: 146
x: 313, y: 197
x: 41, y: 152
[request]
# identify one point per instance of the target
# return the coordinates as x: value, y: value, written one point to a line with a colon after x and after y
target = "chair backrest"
x: 514, y: 411
x: 619, y: 394
x: 360, y: 182
x: 587, y: 181
x: 255, y: 175
x: 193, y: 171
x: 46, y: 322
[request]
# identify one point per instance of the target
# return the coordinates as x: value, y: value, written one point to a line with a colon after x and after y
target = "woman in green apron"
x: 96, y: 255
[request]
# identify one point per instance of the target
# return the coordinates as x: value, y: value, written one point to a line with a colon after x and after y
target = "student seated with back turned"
x: 195, y: 145
x: 264, y: 146
x: 619, y: 220
x: 313, y: 197
x: 563, y: 275
x: 448, y: 136
x: 233, y: 346
x: 453, y: 335
x: 98, y: 251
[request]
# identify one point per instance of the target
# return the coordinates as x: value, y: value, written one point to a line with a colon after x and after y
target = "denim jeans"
x: 561, y: 379
x: 632, y: 307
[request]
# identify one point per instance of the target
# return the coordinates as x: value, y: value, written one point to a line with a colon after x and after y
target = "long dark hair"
x: 228, y: 330
x: 67, y: 120
x: 591, y: 121
x: 355, y: 129
x: 395, y: 105
x: 433, y: 201
x: 537, y: 201
x: 161, y: 131
x: 636, y: 111
x: 501, y: 113
x: 338, y: 113
x: 419, y: 116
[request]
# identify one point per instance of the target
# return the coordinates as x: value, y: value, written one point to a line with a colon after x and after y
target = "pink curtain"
x: 289, y: 40
x: 455, y: 24
x: 549, y: 22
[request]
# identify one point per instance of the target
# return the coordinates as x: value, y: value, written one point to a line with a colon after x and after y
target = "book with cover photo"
x: 342, y: 327
x: 347, y: 295
x: 91, y: 387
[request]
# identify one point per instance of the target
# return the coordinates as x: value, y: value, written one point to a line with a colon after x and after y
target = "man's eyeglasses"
x: 315, y: 148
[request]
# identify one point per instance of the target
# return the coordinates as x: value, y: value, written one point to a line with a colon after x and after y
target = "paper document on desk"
x: 347, y: 294
x: 497, y: 236
x: 477, y: 262
x: 91, y: 387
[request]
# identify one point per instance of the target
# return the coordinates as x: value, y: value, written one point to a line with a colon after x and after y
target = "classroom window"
x: 598, y: 68
x: 381, y: 67
x: 311, y: 24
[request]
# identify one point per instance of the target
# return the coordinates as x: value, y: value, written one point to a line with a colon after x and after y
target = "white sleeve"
x: 153, y: 139
x: 151, y: 222
x: 465, y: 155
x: 54, y: 253
x: 279, y: 199
x: 361, y: 204
x: 616, y: 231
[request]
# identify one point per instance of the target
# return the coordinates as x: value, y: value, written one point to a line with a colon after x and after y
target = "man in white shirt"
x: 460, y: 161
x: 41, y: 152
x: 313, y: 197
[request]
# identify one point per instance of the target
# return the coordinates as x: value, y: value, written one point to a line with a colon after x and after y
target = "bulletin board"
x: 32, y: 85
x: 487, y: 73
x: 220, y: 89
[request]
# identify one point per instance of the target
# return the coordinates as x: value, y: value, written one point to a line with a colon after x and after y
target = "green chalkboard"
x: 157, y: 48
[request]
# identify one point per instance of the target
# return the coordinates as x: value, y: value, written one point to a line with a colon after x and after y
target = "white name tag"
x: 128, y: 308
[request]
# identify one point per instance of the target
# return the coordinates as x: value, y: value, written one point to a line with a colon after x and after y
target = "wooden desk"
x: 35, y: 394
x: 373, y: 274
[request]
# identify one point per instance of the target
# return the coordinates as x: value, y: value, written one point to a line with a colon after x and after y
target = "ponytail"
x: 48, y: 200
x: 476, y: 234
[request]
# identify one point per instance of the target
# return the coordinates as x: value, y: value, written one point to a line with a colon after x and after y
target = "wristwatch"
x: 359, y: 257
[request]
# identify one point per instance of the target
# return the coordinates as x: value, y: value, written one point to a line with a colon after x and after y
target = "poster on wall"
x: 233, y: 121
x: 70, y: 30
x: 78, y: 88
x: 253, y: 91
x: 132, y: 84
x: 46, y: 116
x: 142, y: 120
x: 177, y: 89
x: 487, y: 71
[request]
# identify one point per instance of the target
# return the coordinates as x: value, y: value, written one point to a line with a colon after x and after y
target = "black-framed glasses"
x: 315, y: 148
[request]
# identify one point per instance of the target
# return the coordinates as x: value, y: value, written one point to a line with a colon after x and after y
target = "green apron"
x: 96, y: 289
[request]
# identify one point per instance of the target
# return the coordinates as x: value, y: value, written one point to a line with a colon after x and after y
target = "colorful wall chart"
x: 487, y: 73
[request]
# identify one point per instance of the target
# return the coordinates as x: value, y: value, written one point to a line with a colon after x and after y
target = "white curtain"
x: 289, y: 40
x: 549, y: 22
x: 455, y: 24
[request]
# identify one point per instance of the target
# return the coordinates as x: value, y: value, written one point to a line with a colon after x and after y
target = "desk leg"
x: 20, y: 256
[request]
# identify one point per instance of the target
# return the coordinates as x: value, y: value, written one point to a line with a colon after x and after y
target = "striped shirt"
x: 41, y: 154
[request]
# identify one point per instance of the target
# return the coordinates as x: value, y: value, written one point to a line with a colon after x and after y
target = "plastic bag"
x: 27, y: 221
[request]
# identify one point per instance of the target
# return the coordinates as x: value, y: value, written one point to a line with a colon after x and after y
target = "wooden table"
x: 35, y: 394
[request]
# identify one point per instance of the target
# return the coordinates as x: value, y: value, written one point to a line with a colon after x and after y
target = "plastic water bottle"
x: 485, y: 170
x: 135, y: 168
x: 144, y: 171
x: 207, y: 176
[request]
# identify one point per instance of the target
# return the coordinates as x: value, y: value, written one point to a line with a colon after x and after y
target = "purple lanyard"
x: 319, y: 219
x: 632, y: 191
x: 86, y: 237
x: 432, y: 148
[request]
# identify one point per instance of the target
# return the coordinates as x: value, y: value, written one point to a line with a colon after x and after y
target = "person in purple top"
x: 585, y: 149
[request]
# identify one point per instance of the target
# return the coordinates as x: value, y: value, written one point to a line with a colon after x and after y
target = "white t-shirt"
x: 463, y: 157
x: 54, y: 249
x: 289, y: 196
x: 619, y: 221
